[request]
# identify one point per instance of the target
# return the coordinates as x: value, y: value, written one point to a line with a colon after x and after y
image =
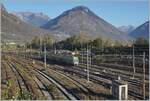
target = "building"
x: 120, y: 90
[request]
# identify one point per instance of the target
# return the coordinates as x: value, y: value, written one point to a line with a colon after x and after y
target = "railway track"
x: 20, y: 79
x: 117, y: 71
x: 83, y: 89
x: 43, y: 88
x: 3, y: 73
x: 109, y: 74
x: 71, y: 80
x: 95, y: 79
x: 65, y: 92
x: 81, y: 72
x: 62, y: 73
x: 133, y: 84
x: 42, y: 81
x: 103, y: 79
x: 9, y: 82
x: 25, y: 86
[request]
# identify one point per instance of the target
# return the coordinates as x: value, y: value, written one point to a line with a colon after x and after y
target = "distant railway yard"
x: 30, y: 78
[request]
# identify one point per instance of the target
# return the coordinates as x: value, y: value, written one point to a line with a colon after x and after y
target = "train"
x: 61, y: 56
x: 64, y: 58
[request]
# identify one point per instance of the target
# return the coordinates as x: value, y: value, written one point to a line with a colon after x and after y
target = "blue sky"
x: 116, y: 12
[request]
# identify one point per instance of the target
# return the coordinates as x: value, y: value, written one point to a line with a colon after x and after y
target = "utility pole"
x: 54, y: 47
x: 25, y: 51
x: 133, y: 63
x: 102, y: 48
x: 91, y: 56
x: 144, y: 75
x: 82, y: 52
x: 40, y: 46
x: 30, y: 51
x: 45, y: 55
x: 87, y: 65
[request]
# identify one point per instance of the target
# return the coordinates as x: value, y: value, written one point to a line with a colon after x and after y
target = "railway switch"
x: 120, y: 90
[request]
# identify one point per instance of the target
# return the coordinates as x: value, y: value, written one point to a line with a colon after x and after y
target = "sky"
x: 116, y: 12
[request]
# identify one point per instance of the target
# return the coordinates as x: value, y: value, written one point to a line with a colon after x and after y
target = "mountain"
x: 36, y: 19
x: 82, y: 19
x: 126, y: 29
x: 14, y: 29
x: 141, y: 31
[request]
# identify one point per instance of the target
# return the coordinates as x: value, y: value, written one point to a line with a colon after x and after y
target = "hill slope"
x: 14, y: 29
x: 141, y: 31
x: 36, y: 19
x: 81, y: 19
x: 126, y: 29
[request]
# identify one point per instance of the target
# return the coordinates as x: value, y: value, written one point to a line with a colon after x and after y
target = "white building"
x: 120, y: 90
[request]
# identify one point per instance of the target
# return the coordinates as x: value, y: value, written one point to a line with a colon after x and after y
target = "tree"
x: 40, y: 40
x: 48, y: 40
x: 141, y: 41
x: 117, y: 43
x: 97, y: 42
x: 35, y: 42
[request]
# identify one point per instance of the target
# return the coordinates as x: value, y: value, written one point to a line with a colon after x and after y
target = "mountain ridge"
x: 82, y: 19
